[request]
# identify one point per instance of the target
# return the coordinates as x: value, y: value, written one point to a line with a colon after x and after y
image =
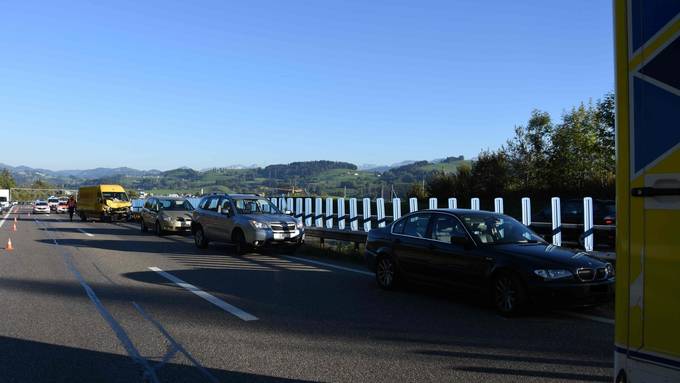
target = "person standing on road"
x: 71, y: 204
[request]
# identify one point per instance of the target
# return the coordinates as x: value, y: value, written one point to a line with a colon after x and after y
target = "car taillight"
x: 608, y: 221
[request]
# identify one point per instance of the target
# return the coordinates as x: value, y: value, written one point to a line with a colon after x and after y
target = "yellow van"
x: 647, y: 191
x: 103, y: 202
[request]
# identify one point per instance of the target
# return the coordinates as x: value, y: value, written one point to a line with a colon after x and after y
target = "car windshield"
x: 175, y: 205
x: 255, y: 206
x: 53, y: 200
x: 40, y: 203
x: 498, y: 229
x: 120, y: 196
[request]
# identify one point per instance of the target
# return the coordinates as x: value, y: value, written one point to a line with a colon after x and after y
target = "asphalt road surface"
x: 102, y: 302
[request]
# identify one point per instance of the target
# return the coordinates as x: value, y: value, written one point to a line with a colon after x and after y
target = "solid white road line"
x: 593, y: 318
x: 86, y: 233
x: 352, y: 270
x: 208, y: 297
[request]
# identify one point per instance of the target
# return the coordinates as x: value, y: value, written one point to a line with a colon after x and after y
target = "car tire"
x: 386, y: 273
x: 143, y: 227
x: 240, y: 245
x: 200, y: 239
x: 158, y: 229
x: 83, y: 217
x: 509, y: 294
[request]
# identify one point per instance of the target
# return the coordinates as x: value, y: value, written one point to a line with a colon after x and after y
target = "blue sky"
x: 213, y: 83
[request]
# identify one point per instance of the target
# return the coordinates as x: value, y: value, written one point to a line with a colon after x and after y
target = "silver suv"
x: 246, y: 220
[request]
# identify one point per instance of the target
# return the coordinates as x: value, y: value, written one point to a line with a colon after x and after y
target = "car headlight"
x: 259, y: 225
x: 168, y: 219
x: 299, y: 224
x: 552, y: 274
x: 610, y: 270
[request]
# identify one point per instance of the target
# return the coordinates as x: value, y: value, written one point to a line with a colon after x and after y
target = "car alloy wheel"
x: 509, y: 294
x: 143, y: 227
x: 158, y: 229
x: 240, y: 246
x: 199, y: 239
x: 385, y: 273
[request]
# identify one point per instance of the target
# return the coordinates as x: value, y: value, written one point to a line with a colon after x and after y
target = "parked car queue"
x: 468, y: 250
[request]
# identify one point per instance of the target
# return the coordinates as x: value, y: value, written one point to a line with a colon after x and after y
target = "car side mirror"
x: 461, y: 240
x: 288, y: 212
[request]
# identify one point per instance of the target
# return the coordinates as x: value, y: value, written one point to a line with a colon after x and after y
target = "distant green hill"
x: 322, y: 178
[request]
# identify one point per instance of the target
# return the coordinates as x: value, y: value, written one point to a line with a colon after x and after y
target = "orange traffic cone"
x: 9, y: 245
x: 15, y: 219
x: 14, y: 227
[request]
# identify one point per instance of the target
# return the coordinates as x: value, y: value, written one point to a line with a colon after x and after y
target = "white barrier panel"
x: 275, y: 201
x: 289, y: 204
x: 556, y: 221
x: 474, y: 204
x: 396, y: 208
x: 298, y: 210
x: 433, y: 203
x: 380, y: 211
x: 589, y: 237
x: 526, y: 211
x: 308, y: 212
x: 413, y: 204
x: 341, y: 213
x: 282, y: 205
x: 453, y: 203
x: 498, y: 205
x: 367, y: 214
x: 353, y: 219
x: 329, y: 213
x: 318, y: 212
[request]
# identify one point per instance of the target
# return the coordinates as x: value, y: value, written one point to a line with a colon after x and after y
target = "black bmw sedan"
x: 488, y: 252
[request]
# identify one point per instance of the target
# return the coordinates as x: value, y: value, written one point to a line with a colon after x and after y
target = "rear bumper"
x: 574, y: 294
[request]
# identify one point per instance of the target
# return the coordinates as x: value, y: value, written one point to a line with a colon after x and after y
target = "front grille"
x: 282, y: 226
x: 589, y: 275
x: 586, y: 275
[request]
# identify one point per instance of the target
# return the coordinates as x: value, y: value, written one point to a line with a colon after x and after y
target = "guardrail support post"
x: 366, y: 206
x: 433, y: 203
x: 588, y: 233
x: 282, y: 204
x: 275, y: 201
x: 396, y: 209
x: 526, y: 211
x: 289, y: 204
x: 413, y: 204
x: 380, y: 211
x: 498, y: 205
x: 298, y: 210
x: 556, y: 222
x: 474, y: 204
x: 341, y: 213
x: 308, y: 212
x: 353, y: 223
x: 329, y: 213
x: 453, y: 203
x: 318, y: 212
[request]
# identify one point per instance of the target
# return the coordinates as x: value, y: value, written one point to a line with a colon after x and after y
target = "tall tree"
x: 6, y: 180
x: 491, y: 173
x: 528, y: 152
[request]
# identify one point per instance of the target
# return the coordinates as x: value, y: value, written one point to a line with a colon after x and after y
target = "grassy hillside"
x: 322, y: 178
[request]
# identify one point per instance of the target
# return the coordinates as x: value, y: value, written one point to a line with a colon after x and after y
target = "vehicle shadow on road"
x: 37, y: 362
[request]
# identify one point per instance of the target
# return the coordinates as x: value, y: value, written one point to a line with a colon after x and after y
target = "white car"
x: 41, y: 207
x: 52, y: 202
x: 62, y: 207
